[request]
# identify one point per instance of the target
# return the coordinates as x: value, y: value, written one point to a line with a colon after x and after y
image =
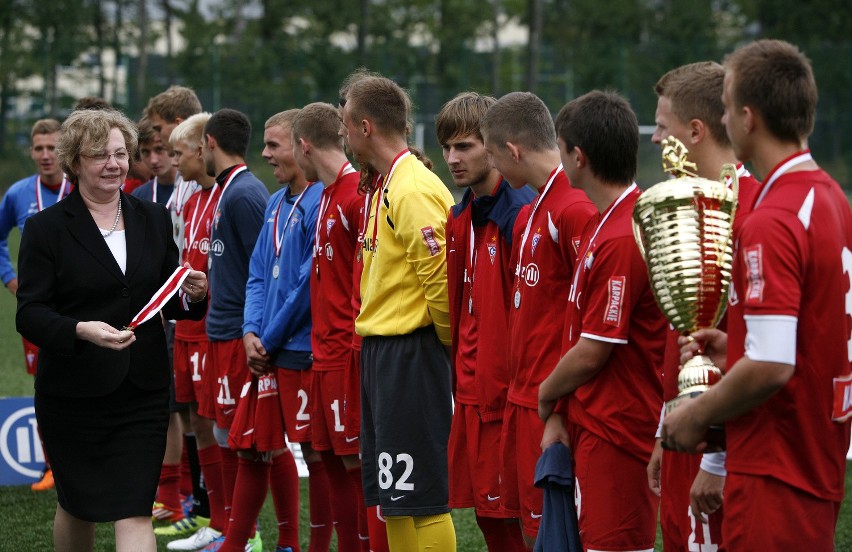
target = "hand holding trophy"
x: 684, y: 229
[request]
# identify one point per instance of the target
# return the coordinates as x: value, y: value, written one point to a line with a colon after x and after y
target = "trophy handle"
x: 638, y: 236
x: 729, y: 172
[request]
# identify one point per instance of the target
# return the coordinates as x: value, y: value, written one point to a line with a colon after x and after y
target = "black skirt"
x: 105, y: 452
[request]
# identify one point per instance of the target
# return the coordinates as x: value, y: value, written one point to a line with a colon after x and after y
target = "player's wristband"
x: 714, y: 463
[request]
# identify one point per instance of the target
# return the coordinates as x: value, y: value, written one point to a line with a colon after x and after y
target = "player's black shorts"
x: 406, y: 411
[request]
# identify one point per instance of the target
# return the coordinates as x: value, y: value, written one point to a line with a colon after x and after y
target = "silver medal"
x: 275, y: 271
x: 518, y: 299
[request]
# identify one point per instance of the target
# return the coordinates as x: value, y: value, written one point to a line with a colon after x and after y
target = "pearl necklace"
x: 114, y: 224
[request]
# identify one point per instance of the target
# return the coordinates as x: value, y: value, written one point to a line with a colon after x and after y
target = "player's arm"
x: 420, y: 220
x: 7, y: 221
x: 579, y: 365
x: 259, y: 270
x: 749, y: 384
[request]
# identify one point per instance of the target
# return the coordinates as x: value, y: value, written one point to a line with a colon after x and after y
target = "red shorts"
x: 763, y: 513
x: 520, y: 449
x: 294, y: 391
x: 328, y: 403
x: 352, y: 404
x: 616, y: 509
x: 258, y: 424
x: 681, y: 530
x: 229, y: 371
x: 190, y: 358
x: 30, y: 356
x: 474, y: 475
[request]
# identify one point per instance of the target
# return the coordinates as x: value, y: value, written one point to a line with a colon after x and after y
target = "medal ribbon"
x: 384, y: 184
x: 193, y: 225
x: 532, y: 216
x: 160, y: 298
x: 181, y: 187
x: 780, y: 169
x: 582, y: 259
x: 62, y: 192
x: 279, y: 237
x: 237, y: 170
x: 324, y: 203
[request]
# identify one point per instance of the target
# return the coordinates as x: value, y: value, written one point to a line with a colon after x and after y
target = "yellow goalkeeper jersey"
x: 404, y: 283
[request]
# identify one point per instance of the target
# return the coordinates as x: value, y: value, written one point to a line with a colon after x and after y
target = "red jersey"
x: 791, y: 303
x: 335, y: 244
x: 611, y: 301
x: 544, y: 249
x: 197, y: 216
x: 479, y: 282
x: 749, y: 187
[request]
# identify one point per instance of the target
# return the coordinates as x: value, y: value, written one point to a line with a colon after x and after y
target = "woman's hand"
x: 195, y: 285
x: 104, y: 335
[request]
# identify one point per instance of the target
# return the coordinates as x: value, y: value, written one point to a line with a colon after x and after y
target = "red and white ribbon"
x: 160, y: 298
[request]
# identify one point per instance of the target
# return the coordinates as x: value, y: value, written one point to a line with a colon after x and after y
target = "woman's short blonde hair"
x: 86, y: 132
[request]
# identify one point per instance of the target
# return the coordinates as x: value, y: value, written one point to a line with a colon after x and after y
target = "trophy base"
x: 715, y: 436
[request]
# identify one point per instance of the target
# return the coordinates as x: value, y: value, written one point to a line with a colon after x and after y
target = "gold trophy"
x: 684, y: 229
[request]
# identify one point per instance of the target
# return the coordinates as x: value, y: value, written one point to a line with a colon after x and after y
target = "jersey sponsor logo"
x: 431, y: 242
x: 204, y: 246
x: 267, y: 386
x: 612, y: 316
x: 329, y: 252
x: 535, y: 239
x: 753, y: 258
x: 217, y: 248
x: 842, y: 408
x: 531, y: 274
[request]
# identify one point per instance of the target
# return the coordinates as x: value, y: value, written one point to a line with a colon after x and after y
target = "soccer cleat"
x: 255, y: 544
x: 161, y: 512
x: 215, y: 545
x: 46, y: 482
x: 284, y: 549
x: 199, y: 539
x: 182, y: 527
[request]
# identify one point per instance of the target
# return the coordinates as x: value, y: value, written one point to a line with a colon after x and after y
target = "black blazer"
x: 67, y: 274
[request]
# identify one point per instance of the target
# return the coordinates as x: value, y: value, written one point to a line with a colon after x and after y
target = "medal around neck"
x: 684, y: 230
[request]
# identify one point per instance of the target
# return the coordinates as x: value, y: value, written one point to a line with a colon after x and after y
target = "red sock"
x: 211, y: 467
x: 322, y: 516
x: 185, y: 473
x: 358, y: 490
x: 378, y: 530
x: 501, y: 534
x: 343, y: 502
x: 249, y: 493
x: 284, y: 481
x: 229, y: 478
x: 167, y: 492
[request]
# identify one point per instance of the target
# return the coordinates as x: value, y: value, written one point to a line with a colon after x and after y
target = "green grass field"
x: 27, y: 517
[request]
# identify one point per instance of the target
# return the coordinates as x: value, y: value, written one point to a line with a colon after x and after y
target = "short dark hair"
x: 775, y: 79
x: 695, y: 91
x: 147, y: 134
x: 520, y: 118
x: 381, y: 101
x: 231, y: 129
x: 92, y: 102
x: 603, y: 125
x: 319, y: 124
x: 461, y: 116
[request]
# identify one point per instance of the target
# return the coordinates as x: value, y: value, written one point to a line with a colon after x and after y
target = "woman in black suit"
x: 87, y: 265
